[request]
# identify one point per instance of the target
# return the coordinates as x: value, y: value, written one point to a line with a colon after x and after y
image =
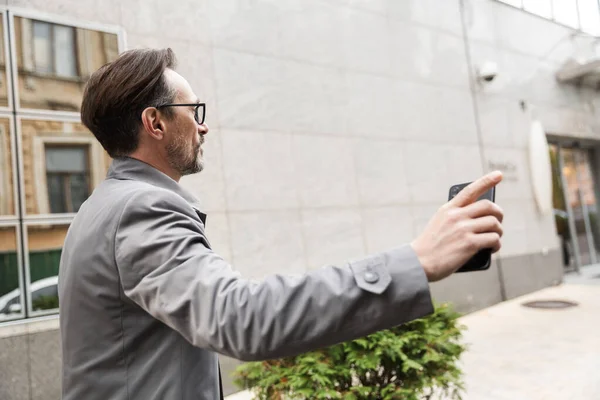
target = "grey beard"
x: 181, y: 162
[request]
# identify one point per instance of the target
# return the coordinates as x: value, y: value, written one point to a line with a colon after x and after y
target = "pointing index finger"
x: 476, y: 189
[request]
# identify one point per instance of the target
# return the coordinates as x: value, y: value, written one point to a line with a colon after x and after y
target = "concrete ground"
x: 520, y: 353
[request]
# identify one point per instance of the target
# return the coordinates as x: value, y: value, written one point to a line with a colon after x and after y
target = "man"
x: 146, y: 305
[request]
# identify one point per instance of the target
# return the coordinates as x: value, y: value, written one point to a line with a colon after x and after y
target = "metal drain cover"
x: 550, y: 304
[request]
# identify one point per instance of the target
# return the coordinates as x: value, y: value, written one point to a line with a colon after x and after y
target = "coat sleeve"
x: 166, y: 266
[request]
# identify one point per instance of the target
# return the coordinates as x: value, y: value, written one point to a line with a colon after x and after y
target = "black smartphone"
x: 483, y: 259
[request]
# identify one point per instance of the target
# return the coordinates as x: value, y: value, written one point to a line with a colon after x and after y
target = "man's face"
x: 184, y: 151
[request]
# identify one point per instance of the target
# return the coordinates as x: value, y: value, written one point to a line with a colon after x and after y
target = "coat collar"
x: 127, y: 168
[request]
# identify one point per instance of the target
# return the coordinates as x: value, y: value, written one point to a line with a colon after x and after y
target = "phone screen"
x: 483, y: 259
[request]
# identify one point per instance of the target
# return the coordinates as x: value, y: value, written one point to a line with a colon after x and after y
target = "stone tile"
x: 515, y: 240
x: 549, y: 268
x: 314, y: 100
x: 519, y: 125
x: 516, y: 184
x: 413, y: 105
x: 259, y: 170
x: 519, y: 275
x: 494, y: 120
x: 434, y: 168
x: 378, y: 6
x: 531, y: 272
x: 333, y: 236
x: 325, y: 175
x: 246, y: 25
x: 457, y: 117
x: 140, y: 41
x: 108, y: 12
x: 381, y: 173
x: 372, y: 106
x: 420, y: 53
x: 217, y: 231
x: 365, y: 42
x: 250, y: 90
x: 422, y: 214
x: 387, y: 227
x: 208, y: 186
x: 312, y: 33
x: 444, y: 15
x: 14, y: 371
x: 481, y: 21
x: 45, y: 363
x: 59, y: 7
x: 188, y: 21
x: 541, y: 229
x: 267, y: 242
x: 408, y: 114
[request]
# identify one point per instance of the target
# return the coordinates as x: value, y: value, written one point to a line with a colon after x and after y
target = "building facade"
x: 336, y: 130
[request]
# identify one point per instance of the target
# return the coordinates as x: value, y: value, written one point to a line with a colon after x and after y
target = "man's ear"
x: 151, y: 119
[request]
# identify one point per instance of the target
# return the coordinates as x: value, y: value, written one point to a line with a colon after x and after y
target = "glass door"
x: 575, y: 206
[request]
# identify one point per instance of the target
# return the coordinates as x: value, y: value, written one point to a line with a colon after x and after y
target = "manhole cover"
x: 549, y: 304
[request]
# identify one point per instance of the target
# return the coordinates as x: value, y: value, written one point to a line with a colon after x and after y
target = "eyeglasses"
x: 199, y: 110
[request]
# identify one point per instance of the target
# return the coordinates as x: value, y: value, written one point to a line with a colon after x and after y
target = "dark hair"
x: 116, y: 95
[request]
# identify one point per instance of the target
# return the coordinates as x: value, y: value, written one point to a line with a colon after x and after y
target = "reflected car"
x: 10, y: 303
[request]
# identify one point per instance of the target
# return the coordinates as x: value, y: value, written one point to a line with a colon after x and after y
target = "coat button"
x: 371, y: 277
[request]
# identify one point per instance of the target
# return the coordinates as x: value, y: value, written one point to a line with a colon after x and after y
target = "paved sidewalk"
x: 519, y: 353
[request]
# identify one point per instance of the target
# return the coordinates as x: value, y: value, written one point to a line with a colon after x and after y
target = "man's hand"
x: 459, y: 229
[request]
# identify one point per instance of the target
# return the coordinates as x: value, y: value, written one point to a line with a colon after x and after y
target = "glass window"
x: 62, y: 163
x: 3, y: 74
x: 589, y: 16
x: 42, y: 47
x: 67, y: 178
x: 54, y: 49
x: 45, y: 247
x: 565, y: 12
x: 10, y: 292
x: 64, y: 50
x: 54, y: 62
x: 7, y: 187
x: 543, y: 8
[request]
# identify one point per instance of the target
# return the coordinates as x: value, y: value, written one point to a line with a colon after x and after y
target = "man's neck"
x: 156, y: 162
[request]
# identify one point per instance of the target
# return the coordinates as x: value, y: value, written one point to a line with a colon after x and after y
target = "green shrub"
x: 417, y: 360
x: 45, y: 303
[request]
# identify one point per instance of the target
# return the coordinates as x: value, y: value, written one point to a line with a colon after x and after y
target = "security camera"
x: 487, y: 72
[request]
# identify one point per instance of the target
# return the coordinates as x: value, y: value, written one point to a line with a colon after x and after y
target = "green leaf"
x: 408, y: 362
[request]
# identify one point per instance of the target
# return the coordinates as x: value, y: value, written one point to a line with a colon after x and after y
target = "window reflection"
x: 67, y: 177
x: 3, y: 75
x: 10, y: 293
x: 7, y: 187
x: 62, y: 163
x: 54, y: 62
x: 45, y: 247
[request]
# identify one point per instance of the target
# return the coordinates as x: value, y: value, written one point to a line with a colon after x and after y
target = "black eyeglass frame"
x: 196, y: 113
